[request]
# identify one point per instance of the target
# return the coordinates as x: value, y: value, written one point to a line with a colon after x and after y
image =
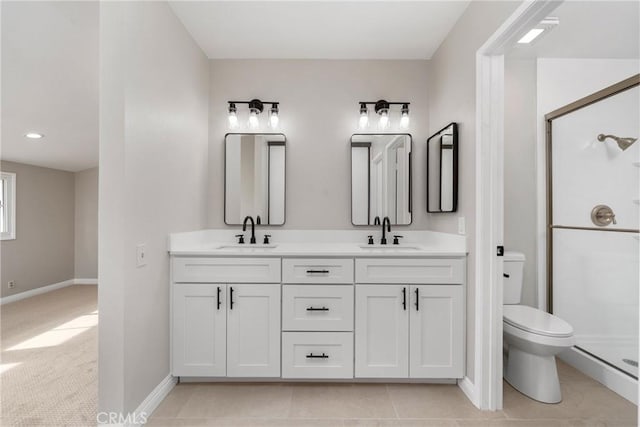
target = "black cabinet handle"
x: 317, y: 309
x: 231, y: 298
x: 505, y: 275
x: 317, y: 356
x: 219, y: 297
x: 404, y: 298
x: 417, y: 300
x: 318, y: 271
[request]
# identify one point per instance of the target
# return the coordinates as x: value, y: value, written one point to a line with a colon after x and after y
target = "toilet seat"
x: 536, y: 321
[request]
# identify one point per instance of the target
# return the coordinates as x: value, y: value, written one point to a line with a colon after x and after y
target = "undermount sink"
x: 390, y: 247
x: 246, y: 246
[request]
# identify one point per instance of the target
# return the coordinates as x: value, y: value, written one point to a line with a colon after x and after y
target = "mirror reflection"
x: 380, y: 178
x: 254, y: 178
x: 442, y: 170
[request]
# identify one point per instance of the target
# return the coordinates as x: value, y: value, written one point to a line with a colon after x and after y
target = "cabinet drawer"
x: 226, y: 270
x: 317, y: 308
x: 318, y: 270
x: 442, y: 271
x: 317, y: 355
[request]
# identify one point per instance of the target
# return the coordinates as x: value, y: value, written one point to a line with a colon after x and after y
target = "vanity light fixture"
x: 382, y: 109
x: 256, y: 107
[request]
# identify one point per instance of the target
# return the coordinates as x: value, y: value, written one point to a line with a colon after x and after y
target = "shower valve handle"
x: 602, y: 215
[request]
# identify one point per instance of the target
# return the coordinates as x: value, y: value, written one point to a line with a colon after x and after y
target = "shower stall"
x: 593, y: 204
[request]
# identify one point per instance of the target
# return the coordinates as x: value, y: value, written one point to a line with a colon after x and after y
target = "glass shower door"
x: 594, y: 268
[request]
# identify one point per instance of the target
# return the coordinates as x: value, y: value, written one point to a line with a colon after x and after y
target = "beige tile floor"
x: 585, y: 403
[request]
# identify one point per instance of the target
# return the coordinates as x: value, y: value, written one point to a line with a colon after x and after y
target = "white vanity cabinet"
x: 304, y: 317
x: 225, y: 329
x: 199, y: 330
x: 405, y: 329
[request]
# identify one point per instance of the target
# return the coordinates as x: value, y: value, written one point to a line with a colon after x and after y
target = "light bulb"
x: 273, y: 118
x: 363, y: 123
x: 233, y: 116
x: 253, y: 119
x: 233, y: 120
x: 383, y: 123
x: 404, y: 119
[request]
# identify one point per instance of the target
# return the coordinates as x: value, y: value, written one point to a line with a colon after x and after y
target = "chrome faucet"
x: 386, y: 220
x: 253, y: 228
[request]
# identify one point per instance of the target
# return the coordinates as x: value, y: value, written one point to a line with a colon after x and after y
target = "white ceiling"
x: 50, y: 83
x: 319, y: 29
x: 589, y: 29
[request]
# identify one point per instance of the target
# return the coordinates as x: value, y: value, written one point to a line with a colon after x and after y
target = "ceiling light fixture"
x: 34, y: 135
x: 256, y: 107
x: 383, y: 109
x: 544, y: 26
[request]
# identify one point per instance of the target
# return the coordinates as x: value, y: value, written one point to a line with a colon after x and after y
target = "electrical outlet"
x: 462, y: 228
x: 11, y: 284
x: 141, y: 255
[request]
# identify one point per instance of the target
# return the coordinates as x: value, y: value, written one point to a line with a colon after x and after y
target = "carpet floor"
x: 49, y: 360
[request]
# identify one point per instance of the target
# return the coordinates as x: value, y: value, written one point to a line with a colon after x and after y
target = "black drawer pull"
x: 317, y: 356
x: 417, y: 300
x: 317, y: 271
x: 230, y: 298
x: 219, y: 290
x: 317, y: 309
x: 404, y: 298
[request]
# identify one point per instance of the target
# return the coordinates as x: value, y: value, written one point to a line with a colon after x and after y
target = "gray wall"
x: 319, y: 112
x: 520, y: 204
x: 86, y: 224
x: 452, y: 98
x: 154, y: 83
x: 43, y: 252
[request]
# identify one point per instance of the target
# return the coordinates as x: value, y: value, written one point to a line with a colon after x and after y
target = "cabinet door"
x: 253, y: 334
x: 436, y: 328
x: 199, y: 329
x: 382, y: 331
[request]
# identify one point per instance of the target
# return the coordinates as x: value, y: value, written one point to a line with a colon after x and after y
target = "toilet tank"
x: 514, y: 269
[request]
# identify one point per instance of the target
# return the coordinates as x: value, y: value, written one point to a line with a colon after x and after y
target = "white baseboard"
x: 36, y: 291
x: 152, y: 401
x: 85, y: 281
x: 48, y: 288
x: 470, y: 390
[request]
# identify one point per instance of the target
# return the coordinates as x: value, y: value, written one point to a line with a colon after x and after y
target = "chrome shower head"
x: 623, y: 143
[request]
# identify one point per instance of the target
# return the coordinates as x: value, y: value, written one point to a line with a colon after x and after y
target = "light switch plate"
x: 141, y: 255
x: 462, y: 227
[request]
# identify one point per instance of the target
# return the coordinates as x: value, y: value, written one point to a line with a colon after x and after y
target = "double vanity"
x: 323, y: 305
x: 317, y: 305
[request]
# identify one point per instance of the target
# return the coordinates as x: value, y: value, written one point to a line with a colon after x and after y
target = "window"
x: 8, y: 206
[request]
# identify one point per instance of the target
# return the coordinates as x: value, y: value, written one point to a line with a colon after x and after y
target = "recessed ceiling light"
x: 545, y: 25
x: 34, y: 135
x: 531, y: 35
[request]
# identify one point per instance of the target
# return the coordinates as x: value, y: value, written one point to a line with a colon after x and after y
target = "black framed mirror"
x: 254, y: 178
x: 442, y: 170
x: 381, y: 178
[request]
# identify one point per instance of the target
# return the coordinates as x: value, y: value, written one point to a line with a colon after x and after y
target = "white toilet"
x: 533, y: 338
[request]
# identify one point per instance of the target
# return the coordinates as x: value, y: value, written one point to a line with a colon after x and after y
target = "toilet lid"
x: 536, y: 321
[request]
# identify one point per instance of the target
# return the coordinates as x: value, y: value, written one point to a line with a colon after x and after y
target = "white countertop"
x: 317, y: 243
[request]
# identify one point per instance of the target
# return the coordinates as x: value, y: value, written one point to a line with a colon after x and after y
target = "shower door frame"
x: 607, y: 92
